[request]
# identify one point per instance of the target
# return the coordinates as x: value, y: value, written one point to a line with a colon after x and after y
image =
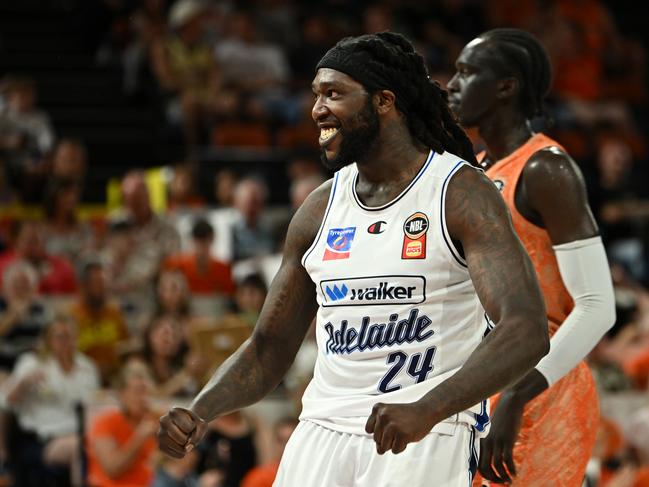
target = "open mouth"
x: 326, y: 135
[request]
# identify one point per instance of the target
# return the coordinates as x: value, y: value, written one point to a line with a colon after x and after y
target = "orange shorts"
x: 557, y: 434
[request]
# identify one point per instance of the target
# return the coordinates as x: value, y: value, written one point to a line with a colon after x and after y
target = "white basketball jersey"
x: 398, y: 313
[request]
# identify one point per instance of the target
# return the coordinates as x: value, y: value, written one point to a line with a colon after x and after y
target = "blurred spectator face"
x: 614, y: 160
x: 250, y: 199
x: 376, y: 19
x: 181, y: 184
x: 172, y: 290
x: 21, y: 97
x: 136, y: 388
x: 29, y: 243
x: 203, y: 246
x: 165, y: 337
x: 225, y: 183
x: 302, y: 188
x: 61, y: 339
x: 95, y: 285
x: 20, y: 282
x: 250, y: 298
x: 242, y: 27
x: 135, y: 194
x: 69, y: 160
x: 66, y: 200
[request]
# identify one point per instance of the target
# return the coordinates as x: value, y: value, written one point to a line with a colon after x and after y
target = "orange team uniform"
x: 559, y: 426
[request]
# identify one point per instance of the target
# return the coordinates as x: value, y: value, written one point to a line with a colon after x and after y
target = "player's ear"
x: 384, y: 101
x: 508, y: 87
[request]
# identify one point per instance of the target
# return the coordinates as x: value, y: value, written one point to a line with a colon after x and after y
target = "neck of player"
x: 390, y: 165
x: 503, y: 133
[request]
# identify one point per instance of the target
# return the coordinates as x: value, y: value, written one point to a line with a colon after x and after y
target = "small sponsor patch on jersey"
x: 373, y: 290
x: 414, y: 238
x: 376, y: 228
x: 499, y: 184
x: 339, y: 243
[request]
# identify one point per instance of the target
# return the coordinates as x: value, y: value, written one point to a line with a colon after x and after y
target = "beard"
x: 358, y: 139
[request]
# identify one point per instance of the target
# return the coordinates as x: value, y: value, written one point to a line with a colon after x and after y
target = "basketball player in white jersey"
x: 401, y: 257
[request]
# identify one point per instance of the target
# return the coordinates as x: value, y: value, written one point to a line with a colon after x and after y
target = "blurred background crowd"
x: 152, y: 153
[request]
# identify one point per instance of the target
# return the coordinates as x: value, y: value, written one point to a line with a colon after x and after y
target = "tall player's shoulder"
x: 550, y: 171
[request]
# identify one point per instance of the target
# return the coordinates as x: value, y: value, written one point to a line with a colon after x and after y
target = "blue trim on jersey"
x: 442, y: 219
x: 482, y: 420
x: 403, y: 193
x: 324, y: 220
x: 473, y: 458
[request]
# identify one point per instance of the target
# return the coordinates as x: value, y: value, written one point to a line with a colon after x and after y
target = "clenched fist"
x: 396, y: 425
x: 180, y: 431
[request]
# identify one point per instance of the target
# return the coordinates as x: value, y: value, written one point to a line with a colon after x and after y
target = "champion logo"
x: 376, y: 228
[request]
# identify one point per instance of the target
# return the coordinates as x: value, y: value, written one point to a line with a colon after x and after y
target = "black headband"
x: 361, y: 66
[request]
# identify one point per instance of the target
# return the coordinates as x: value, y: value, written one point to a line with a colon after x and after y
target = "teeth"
x: 327, y: 133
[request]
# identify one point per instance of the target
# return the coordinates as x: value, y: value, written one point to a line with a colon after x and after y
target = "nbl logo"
x: 414, y: 238
x: 415, y: 226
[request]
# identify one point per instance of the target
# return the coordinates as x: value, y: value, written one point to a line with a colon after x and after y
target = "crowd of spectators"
x: 120, y: 311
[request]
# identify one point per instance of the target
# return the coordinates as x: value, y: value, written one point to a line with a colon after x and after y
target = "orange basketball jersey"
x: 559, y: 426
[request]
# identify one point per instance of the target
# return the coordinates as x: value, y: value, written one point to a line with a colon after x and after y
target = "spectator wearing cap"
x: 185, y: 69
x: 204, y: 273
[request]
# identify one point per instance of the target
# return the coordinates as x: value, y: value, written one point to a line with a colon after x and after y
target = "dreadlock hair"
x: 522, y: 55
x: 421, y: 100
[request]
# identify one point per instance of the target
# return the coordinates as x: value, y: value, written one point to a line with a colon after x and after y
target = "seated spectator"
x: 228, y: 448
x: 121, y: 441
x: 65, y: 235
x: 23, y: 316
x: 55, y: 274
x: 185, y: 69
x: 204, y: 273
x: 43, y: 392
x: 26, y: 137
x: 101, y: 325
x: 252, y: 234
x: 154, y: 237
x: 258, y: 71
x: 124, y: 273
x: 175, y: 371
x: 264, y: 475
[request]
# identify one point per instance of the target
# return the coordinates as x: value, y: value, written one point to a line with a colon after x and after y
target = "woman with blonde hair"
x: 44, y: 391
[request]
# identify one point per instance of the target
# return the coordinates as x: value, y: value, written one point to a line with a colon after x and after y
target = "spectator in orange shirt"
x: 55, y: 274
x: 264, y: 475
x: 100, y: 321
x: 204, y: 273
x: 121, y: 442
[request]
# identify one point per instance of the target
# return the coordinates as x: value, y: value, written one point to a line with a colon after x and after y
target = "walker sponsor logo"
x: 375, y: 290
x: 339, y: 243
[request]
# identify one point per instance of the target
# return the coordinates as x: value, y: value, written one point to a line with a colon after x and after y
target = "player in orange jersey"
x: 543, y: 428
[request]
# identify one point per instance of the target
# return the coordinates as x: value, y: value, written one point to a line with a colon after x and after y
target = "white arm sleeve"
x: 586, y: 275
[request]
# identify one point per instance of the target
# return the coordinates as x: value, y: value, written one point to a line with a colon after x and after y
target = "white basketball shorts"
x: 316, y: 456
